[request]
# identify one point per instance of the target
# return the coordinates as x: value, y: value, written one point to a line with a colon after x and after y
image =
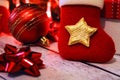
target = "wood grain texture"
x: 60, y: 69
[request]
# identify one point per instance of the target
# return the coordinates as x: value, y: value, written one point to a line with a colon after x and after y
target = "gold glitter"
x: 27, y: 27
x: 44, y: 41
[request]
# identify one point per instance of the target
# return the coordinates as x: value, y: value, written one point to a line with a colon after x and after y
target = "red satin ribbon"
x: 24, y: 59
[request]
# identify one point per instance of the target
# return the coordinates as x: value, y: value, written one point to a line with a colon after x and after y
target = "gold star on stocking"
x: 80, y: 33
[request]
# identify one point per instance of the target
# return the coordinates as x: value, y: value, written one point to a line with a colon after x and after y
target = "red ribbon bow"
x: 14, y: 60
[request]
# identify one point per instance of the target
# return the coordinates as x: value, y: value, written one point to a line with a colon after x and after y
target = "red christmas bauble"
x: 28, y: 23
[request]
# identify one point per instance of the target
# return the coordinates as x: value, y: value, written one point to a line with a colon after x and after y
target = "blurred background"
x: 50, y: 6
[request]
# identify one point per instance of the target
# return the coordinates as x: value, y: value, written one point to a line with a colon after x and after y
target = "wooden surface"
x: 60, y: 69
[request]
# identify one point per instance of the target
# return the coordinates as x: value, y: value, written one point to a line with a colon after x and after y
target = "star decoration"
x: 80, y: 33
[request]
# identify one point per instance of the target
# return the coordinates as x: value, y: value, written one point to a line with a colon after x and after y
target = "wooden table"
x: 60, y: 69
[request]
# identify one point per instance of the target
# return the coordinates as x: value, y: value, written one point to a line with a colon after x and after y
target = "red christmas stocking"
x: 81, y: 37
x: 4, y: 15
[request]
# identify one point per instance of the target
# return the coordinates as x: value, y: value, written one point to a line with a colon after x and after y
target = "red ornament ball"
x: 28, y: 23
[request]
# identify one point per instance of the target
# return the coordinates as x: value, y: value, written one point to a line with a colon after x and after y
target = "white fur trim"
x: 4, y: 3
x: 97, y: 3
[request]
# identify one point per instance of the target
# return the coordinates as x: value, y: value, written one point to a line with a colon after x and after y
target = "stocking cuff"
x: 4, y: 3
x: 97, y: 3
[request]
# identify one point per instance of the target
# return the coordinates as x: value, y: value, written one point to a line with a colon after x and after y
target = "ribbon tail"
x: 9, y: 66
x: 17, y: 68
x: 2, y: 68
x: 34, y: 71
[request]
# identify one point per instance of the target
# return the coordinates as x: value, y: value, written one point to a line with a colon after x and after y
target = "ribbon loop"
x: 13, y: 61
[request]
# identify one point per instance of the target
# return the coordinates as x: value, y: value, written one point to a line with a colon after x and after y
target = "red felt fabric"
x: 4, y: 20
x: 101, y: 48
